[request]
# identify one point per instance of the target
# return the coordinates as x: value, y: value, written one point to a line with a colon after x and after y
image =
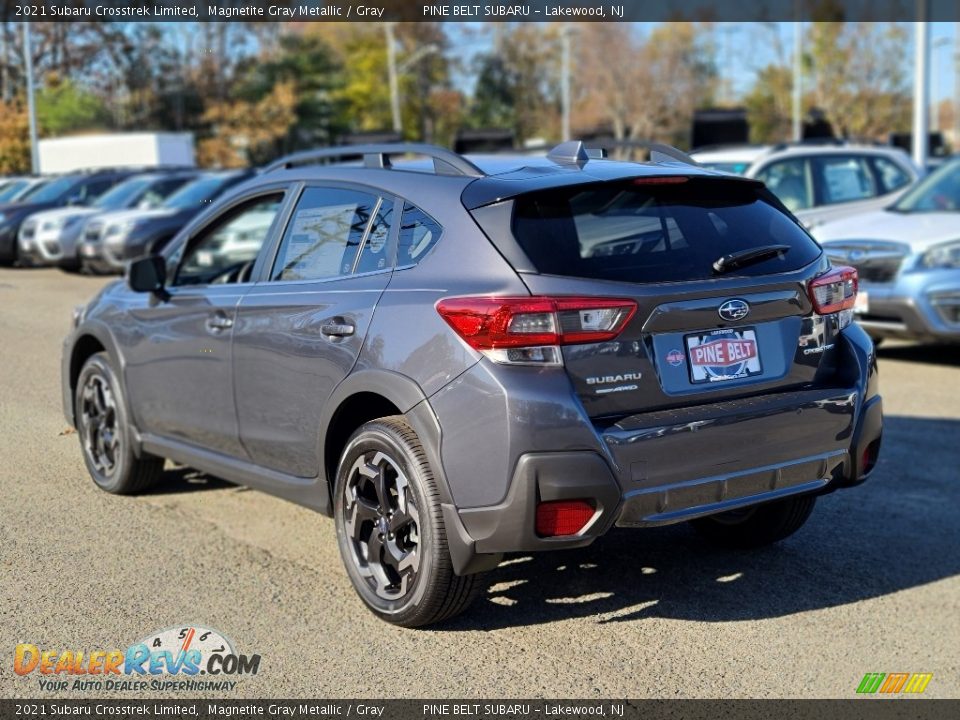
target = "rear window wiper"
x: 748, y: 257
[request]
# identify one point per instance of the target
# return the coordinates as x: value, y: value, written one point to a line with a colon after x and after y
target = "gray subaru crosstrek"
x: 460, y: 358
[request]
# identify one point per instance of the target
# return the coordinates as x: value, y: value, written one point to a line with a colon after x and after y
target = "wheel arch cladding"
x: 84, y: 348
x: 351, y: 413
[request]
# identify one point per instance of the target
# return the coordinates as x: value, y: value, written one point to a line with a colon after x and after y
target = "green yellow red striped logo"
x: 892, y: 683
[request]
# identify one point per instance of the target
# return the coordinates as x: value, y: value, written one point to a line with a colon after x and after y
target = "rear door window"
x: 635, y: 231
x: 324, y: 234
x: 375, y: 253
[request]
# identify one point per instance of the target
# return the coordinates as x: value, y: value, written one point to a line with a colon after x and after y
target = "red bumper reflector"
x: 563, y: 517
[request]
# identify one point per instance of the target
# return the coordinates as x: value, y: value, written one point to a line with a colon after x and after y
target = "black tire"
x: 11, y: 259
x: 759, y: 525
x: 410, y: 581
x: 105, y: 436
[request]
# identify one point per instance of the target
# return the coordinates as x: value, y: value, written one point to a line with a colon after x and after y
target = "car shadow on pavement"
x: 179, y: 479
x: 898, y: 530
x: 931, y: 354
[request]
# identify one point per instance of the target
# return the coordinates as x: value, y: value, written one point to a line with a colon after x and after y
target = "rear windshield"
x: 646, y: 231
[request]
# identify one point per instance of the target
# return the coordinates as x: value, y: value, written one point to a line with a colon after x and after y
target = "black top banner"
x: 441, y: 11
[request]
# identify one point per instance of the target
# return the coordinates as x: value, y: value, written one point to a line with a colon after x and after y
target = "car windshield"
x: 29, y: 191
x: 938, y: 192
x: 52, y: 191
x: 12, y: 189
x: 197, y: 192
x: 123, y: 195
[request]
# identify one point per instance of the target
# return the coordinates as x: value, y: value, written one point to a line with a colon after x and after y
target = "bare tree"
x: 644, y: 88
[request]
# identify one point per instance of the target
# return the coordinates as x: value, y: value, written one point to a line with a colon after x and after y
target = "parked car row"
x: 820, y: 183
x: 871, y: 208
x: 97, y: 220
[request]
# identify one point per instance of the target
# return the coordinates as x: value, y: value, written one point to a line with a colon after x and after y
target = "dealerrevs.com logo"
x: 188, y: 657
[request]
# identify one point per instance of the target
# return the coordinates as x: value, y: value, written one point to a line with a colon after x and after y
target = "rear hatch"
x: 712, y: 323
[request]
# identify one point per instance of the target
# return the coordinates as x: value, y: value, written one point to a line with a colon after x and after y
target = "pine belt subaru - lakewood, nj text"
x: 458, y: 358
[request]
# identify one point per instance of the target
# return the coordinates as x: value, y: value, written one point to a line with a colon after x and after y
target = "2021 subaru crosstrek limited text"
x: 460, y: 358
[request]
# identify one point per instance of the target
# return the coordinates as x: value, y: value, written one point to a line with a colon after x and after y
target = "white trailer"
x: 80, y: 152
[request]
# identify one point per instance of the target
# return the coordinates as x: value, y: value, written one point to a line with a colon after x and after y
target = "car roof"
x: 846, y: 149
x: 731, y: 154
x: 499, y: 177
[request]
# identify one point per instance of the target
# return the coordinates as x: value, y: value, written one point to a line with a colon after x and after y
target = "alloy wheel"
x: 382, y: 525
x: 98, y: 424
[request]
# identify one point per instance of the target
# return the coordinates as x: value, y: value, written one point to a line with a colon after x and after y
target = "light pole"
x: 392, y: 77
x: 31, y: 106
x: 394, y: 70
x: 797, y: 79
x: 728, y: 31
x: 935, y: 82
x: 921, y: 87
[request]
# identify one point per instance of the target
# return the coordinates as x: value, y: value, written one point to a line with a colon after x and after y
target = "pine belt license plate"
x: 721, y: 355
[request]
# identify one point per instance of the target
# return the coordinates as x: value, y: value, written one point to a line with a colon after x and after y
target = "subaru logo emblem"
x: 734, y: 310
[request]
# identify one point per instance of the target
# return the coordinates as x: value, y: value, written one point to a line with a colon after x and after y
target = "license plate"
x: 88, y: 250
x: 721, y: 355
x: 862, y: 304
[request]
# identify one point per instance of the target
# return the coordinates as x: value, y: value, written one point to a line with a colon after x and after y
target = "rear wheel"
x: 105, y: 434
x: 390, y: 528
x: 758, y: 525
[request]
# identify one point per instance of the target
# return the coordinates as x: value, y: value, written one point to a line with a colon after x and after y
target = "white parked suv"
x: 820, y: 183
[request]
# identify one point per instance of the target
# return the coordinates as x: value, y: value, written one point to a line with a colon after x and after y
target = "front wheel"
x: 758, y: 525
x: 105, y: 434
x: 390, y: 528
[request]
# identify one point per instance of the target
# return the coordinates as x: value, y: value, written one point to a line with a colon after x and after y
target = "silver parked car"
x: 54, y: 235
x: 908, y: 257
x: 820, y: 183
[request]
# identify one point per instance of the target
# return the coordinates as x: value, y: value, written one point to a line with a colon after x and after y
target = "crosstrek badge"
x: 723, y: 355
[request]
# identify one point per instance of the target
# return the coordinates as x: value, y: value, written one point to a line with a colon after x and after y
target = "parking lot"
x: 870, y: 584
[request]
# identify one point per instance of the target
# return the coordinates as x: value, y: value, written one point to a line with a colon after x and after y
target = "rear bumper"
x: 672, y: 466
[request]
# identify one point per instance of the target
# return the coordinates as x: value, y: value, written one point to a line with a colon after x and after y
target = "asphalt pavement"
x: 870, y: 584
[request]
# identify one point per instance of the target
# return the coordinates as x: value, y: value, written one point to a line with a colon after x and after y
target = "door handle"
x: 218, y: 321
x: 337, y: 329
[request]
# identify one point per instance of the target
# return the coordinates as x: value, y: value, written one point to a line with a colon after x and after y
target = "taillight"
x: 834, y: 291
x: 563, y: 517
x: 530, y: 330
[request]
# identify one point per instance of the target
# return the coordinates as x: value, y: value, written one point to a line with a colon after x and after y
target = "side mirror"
x: 148, y: 274
x: 74, y: 200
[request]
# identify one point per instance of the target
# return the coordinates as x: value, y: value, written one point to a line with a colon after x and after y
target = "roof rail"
x: 576, y: 152
x: 445, y: 162
x: 659, y: 152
